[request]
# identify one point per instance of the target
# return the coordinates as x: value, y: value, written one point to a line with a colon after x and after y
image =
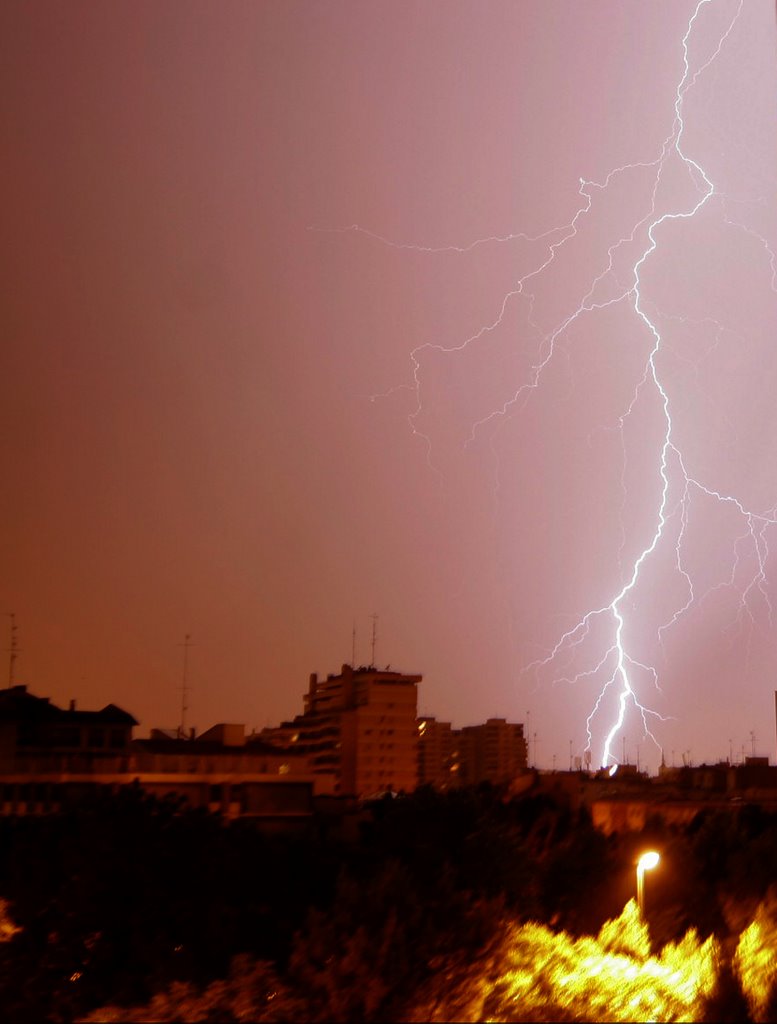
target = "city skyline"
x: 277, y: 282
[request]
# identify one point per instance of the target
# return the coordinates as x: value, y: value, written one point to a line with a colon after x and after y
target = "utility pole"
x: 353, y: 645
x: 187, y: 643
x: 752, y: 742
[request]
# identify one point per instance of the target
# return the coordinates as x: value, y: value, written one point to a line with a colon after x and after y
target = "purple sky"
x: 196, y: 337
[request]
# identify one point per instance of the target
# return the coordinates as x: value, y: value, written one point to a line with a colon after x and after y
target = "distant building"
x: 495, y: 751
x: 437, y: 765
x: 361, y: 726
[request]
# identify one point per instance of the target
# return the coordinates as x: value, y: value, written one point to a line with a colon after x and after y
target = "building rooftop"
x: 16, y: 704
x: 166, y: 745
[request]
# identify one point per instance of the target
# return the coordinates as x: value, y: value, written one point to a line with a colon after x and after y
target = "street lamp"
x: 645, y: 863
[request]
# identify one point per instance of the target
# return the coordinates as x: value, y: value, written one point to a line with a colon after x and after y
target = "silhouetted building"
x: 51, y: 759
x: 37, y: 735
x: 494, y: 752
x: 359, y: 725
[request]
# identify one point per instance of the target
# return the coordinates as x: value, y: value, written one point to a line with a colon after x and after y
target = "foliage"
x: 755, y: 961
x: 152, y: 911
x: 535, y: 974
x: 385, y: 938
x: 251, y: 992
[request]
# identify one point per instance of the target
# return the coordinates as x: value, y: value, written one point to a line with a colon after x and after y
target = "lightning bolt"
x: 615, y: 658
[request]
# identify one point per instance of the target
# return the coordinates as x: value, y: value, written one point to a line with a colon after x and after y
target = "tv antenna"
x: 187, y: 643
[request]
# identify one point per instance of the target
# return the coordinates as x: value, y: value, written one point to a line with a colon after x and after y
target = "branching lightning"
x: 624, y: 675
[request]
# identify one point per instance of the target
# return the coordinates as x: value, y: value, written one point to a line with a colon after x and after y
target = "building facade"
x: 494, y: 751
x: 359, y: 726
x: 437, y: 764
x: 52, y: 759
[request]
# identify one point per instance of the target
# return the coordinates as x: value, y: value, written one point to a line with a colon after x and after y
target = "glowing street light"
x: 645, y: 863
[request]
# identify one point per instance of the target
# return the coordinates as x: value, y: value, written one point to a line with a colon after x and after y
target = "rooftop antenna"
x: 752, y: 741
x: 187, y: 643
x: 13, y: 650
x: 353, y: 645
x: 527, y: 737
x: 374, y: 618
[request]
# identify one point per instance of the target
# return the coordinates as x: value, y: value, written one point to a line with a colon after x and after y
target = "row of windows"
x: 73, y: 736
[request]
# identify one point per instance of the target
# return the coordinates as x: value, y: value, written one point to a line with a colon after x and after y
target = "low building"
x: 36, y: 735
x: 51, y: 759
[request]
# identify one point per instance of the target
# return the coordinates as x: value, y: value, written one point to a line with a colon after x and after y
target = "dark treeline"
x: 129, y: 902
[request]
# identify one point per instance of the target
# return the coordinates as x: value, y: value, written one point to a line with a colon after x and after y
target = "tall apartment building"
x: 360, y: 725
x: 495, y: 751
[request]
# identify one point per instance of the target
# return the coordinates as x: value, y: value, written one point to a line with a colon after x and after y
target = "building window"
x: 96, y: 738
x: 117, y: 738
x: 68, y: 737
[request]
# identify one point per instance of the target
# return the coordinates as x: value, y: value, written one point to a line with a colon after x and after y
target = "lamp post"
x: 645, y: 863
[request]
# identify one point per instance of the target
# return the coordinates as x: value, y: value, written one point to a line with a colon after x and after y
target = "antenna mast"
x: 187, y: 643
x: 353, y: 645
x: 374, y: 618
x: 13, y: 650
x: 527, y: 738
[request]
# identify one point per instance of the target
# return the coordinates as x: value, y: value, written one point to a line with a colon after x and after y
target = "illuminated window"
x: 284, y: 769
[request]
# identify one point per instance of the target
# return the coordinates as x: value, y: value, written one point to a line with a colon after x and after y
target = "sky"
x: 458, y: 314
